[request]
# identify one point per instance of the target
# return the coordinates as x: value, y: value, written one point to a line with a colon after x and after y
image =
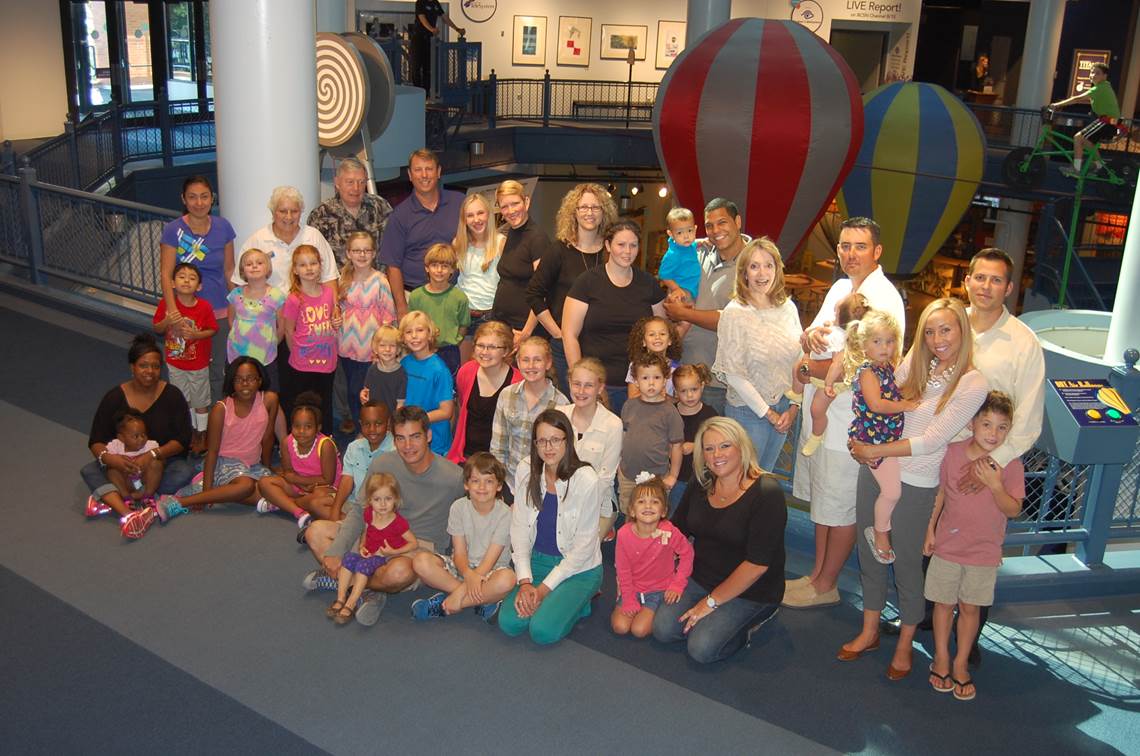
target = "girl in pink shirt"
x: 653, y: 559
x: 310, y: 320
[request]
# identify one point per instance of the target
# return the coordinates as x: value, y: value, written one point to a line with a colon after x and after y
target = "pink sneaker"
x: 137, y: 523
x: 95, y: 508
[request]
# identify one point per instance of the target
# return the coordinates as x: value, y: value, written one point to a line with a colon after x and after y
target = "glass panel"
x: 93, y: 61
x: 180, y: 43
x: 209, y: 53
x: 136, y: 41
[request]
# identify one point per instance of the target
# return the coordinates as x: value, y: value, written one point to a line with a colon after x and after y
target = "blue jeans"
x: 720, y: 634
x: 354, y: 373
x: 676, y: 494
x: 617, y: 396
x: 176, y: 473
x: 714, y: 396
x: 449, y: 353
x: 764, y: 437
x: 561, y: 369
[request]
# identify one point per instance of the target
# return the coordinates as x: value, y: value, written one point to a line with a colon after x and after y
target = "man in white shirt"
x: 1009, y: 355
x: 828, y: 478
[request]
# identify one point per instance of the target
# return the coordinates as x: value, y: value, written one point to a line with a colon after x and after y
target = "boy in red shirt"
x: 964, y: 540
x: 187, y: 343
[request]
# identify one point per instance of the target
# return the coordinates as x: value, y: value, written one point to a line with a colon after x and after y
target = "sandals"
x: 334, y: 608
x: 882, y: 557
x: 960, y: 684
x: 941, y: 681
x: 345, y: 615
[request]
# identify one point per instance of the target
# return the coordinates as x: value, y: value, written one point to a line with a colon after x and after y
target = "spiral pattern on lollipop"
x: 341, y: 93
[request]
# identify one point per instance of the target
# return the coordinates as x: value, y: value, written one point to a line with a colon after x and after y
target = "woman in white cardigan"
x: 554, y: 536
x: 758, y: 341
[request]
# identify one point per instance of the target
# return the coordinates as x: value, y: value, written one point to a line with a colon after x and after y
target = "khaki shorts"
x: 449, y: 563
x: 194, y: 385
x: 949, y: 583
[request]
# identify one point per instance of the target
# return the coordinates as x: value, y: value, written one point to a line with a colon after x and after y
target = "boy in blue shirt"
x: 680, y: 263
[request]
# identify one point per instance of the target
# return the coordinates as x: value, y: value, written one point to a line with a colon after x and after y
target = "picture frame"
x: 617, y: 39
x: 575, y: 34
x: 670, y: 42
x: 528, y: 43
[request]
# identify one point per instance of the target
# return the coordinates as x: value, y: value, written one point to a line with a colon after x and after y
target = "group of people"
x: 510, y: 396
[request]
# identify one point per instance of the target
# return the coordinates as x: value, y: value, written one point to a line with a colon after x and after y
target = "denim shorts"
x: 650, y: 600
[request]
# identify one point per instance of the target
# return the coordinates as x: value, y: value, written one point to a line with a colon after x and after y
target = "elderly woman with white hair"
x: 282, y: 236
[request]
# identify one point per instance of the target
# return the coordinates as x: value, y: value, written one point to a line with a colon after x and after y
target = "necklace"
x: 297, y: 452
x: 586, y: 265
x: 934, y: 381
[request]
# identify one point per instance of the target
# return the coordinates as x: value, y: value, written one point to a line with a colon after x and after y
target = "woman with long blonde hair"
x: 938, y: 372
x: 478, y: 245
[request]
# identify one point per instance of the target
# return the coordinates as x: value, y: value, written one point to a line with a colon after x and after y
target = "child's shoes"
x: 135, y: 525
x: 812, y: 444
x: 168, y: 507
x: 95, y: 507
x: 264, y: 507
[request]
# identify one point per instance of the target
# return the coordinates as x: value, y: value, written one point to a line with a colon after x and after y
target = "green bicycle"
x: 1025, y: 167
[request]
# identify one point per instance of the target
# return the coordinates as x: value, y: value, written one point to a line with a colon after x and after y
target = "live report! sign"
x: 1093, y: 402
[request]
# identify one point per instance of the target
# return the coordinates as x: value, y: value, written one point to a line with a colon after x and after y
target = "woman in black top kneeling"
x: 736, y: 518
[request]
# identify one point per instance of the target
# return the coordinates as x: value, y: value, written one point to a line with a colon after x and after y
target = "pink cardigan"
x: 464, y: 379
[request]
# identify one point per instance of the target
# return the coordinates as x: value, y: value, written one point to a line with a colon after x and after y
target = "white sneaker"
x: 264, y: 507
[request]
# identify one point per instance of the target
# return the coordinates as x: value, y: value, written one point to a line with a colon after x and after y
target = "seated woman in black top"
x: 477, y: 387
x: 586, y: 211
x: 603, y: 305
x: 167, y: 418
x: 736, y: 518
x: 526, y: 244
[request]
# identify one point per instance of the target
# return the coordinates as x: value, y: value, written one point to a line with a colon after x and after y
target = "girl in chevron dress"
x: 365, y: 304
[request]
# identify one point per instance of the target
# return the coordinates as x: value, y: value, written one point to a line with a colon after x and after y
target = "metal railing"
x: 1007, y: 127
x: 548, y: 99
x: 77, y: 237
x: 93, y: 149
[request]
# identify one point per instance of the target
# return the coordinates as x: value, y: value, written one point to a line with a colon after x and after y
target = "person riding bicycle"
x: 1101, y: 97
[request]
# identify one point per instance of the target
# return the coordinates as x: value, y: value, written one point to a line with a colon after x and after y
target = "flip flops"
x: 942, y: 680
x: 881, y: 557
x: 959, y: 684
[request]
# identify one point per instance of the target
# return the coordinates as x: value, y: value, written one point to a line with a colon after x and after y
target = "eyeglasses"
x: 488, y: 347
x: 549, y: 443
x: 589, y: 209
x: 246, y: 379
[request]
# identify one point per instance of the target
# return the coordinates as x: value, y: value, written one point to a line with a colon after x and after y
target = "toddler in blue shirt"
x: 680, y: 263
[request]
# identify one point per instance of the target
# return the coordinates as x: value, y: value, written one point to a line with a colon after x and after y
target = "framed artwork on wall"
x: 574, y: 35
x: 619, y: 39
x: 528, y: 47
x: 670, y: 41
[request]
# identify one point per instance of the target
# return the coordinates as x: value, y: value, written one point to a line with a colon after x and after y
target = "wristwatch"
x: 710, y: 602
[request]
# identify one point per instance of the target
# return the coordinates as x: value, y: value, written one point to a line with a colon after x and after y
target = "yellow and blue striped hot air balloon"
x: 919, y: 166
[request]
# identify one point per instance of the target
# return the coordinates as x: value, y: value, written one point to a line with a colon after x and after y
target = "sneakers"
x: 95, y: 507
x: 318, y: 580
x: 135, y: 525
x: 429, y: 608
x: 811, y: 445
x: 168, y: 507
x: 302, y: 521
x: 264, y: 507
x: 487, y: 612
x: 371, y: 604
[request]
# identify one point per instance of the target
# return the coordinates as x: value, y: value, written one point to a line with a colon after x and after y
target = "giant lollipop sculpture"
x: 356, y: 96
x: 763, y: 113
x: 919, y: 167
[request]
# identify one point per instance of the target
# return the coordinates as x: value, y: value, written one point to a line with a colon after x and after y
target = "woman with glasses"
x: 554, y: 536
x: 586, y: 211
x: 526, y: 244
x: 478, y: 384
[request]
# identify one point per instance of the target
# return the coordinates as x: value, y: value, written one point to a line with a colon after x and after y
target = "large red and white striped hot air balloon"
x: 766, y: 114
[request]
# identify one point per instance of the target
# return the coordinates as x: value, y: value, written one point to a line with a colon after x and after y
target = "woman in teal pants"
x: 554, y: 536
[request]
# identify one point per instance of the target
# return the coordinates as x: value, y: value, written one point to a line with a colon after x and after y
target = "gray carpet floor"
x: 201, y: 632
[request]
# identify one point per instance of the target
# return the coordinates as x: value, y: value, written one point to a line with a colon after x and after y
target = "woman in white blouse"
x: 597, y: 432
x: 554, y: 536
x: 758, y: 340
x: 939, y: 371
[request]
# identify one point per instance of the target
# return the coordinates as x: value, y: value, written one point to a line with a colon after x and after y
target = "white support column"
x: 703, y: 15
x: 1038, y: 63
x: 1130, y: 78
x: 1011, y: 233
x: 1124, y: 328
x: 265, y: 97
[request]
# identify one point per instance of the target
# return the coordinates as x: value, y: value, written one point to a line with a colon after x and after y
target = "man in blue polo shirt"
x: 430, y: 216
